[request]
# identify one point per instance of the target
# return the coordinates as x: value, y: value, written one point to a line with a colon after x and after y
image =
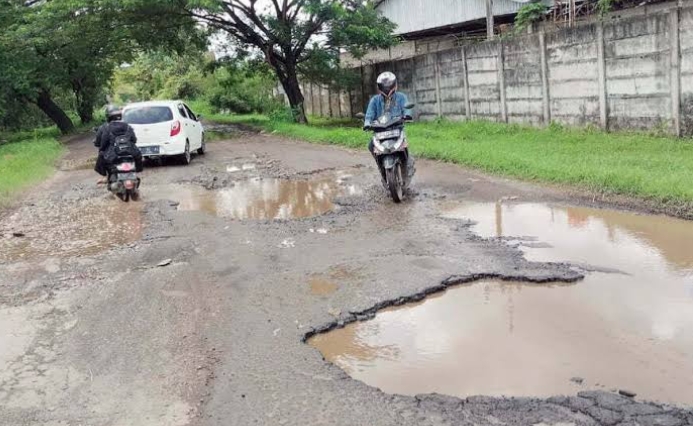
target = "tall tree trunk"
x: 292, y: 88
x: 85, y: 110
x: 54, y: 112
x: 86, y: 97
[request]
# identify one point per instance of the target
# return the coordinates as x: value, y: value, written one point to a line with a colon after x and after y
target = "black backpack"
x: 121, y: 142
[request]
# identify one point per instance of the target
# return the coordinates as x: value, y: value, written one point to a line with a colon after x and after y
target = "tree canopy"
x: 52, y: 48
x: 58, y: 56
x: 295, y: 37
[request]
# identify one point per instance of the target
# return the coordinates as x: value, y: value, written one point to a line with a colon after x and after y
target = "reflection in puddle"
x: 70, y: 229
x: 631, y: 330
x: 243, y: 167
x: 258, y: 198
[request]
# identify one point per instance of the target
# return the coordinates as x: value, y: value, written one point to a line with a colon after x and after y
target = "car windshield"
x: 148, y: 115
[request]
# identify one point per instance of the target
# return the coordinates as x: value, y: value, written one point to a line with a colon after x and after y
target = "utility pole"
x: 571, y: 13
x: 489, y: 19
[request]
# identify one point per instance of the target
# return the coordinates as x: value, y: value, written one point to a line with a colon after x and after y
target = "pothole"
x: 258, y: 198
x: 67, y: 229
x: 631, y: 330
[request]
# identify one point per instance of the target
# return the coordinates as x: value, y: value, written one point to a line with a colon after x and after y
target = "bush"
x: 242, y: 93
x: 528, y: 14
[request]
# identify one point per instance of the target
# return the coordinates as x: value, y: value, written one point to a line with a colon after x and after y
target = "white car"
x: 166, y: 128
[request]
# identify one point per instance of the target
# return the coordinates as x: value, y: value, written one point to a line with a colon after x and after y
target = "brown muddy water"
x: 631, y: 329
x: 68, y: 229
x: 258, y: 198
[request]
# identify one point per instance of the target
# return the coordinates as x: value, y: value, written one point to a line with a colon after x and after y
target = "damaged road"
x: 192, y: 307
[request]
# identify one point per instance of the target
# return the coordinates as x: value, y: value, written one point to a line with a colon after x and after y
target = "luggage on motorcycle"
x: 121, y: 143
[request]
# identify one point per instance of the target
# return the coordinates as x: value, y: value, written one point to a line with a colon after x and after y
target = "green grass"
x: 641, y: 165
x: 26, y: 158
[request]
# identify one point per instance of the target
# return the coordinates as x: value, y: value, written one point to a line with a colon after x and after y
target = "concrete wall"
x: 632, y: 73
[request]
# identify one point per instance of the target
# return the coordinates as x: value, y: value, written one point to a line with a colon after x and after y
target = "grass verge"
x: 654, y: 168
x: 26, y: 158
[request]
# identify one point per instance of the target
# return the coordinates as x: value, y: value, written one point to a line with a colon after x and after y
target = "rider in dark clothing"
x: 113, y: 126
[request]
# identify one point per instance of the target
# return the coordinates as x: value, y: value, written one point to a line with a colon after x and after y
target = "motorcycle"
x: 391, y: 151
x: 122, y: 179
x: 121, y: 176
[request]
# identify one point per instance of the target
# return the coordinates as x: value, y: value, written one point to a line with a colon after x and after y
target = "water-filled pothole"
x: 258, y: 198
x: 632, y: 329
x: 67, y: 229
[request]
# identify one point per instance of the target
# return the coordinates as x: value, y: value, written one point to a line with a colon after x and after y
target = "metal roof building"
x: 426, y: 17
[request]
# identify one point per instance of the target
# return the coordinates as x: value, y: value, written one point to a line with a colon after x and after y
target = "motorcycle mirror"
x: 409, y: 106
x: 360, y: 115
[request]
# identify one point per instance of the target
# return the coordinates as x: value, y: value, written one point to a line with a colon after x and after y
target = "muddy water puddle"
x: 258, y: 198
x: 68, y: 229
x: 630, y: 329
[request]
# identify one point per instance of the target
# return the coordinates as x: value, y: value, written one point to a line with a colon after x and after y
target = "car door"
x: 198, y: 126
x: 188, y: 126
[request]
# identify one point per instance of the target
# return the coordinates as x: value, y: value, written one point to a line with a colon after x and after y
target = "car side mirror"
x: 409, y: 106
x: 199, y: 117
x: 95, y: 129
x: 360, y: 115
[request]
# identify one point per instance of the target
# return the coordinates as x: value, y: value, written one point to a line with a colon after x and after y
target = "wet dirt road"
x: 191, y: 307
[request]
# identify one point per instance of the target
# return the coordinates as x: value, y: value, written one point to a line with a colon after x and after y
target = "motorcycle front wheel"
x: 395, y: 182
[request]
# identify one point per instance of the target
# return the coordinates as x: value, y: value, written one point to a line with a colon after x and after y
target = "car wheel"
x: 186, y: 157
x: 203, y: 146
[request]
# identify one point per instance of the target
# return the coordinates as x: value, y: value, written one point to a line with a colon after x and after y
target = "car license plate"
x: 150, y: 150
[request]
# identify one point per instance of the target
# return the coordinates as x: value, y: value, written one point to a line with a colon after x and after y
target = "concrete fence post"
x: 415, y: 96
x: 501, y: 82
x: 439, y: 101
x: 674, y: 16
x: 601, y: 63
x: 465, y: 82
x: 545, y: 79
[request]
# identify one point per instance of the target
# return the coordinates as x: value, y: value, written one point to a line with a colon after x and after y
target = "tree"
x: 57, y: 46
x: 297, y: 36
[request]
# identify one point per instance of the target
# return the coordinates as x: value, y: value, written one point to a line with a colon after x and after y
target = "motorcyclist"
x: 388, y: 99
x: 114, y: 126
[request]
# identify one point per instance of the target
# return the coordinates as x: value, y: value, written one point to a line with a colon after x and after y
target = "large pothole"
x: 628, y: 325
x: 259, y: 198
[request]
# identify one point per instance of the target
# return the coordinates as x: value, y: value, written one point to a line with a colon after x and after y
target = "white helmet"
x: 387, y: 83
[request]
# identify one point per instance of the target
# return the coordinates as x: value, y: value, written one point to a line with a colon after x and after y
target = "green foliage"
x: 243, y: 88
x: 594, y: 160
x: 60, y: 54
x: 240, y: 86
x: 605, y: 6
x: 528, y: 14
x: 27, y: 159
x: 161, y: 75
x: 295, y: 37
